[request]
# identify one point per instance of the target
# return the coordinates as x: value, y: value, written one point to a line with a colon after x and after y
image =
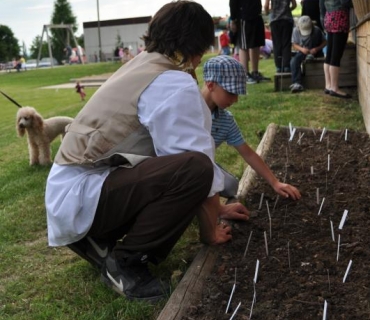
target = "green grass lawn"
x: 38, y: 282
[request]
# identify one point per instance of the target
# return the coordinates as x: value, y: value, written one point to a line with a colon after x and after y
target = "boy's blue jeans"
x: 295, y: 67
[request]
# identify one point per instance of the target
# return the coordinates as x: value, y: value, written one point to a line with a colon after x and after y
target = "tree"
x: 62, y: 14
x: 9, y: 47
x: 34, y: 50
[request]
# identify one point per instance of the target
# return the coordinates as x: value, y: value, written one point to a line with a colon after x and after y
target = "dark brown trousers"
x: 151, y: 205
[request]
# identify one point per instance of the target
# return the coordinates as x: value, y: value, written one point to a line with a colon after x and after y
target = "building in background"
x: 113, y: 33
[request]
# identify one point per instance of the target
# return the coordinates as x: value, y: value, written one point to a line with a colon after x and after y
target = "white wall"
x: 130, y: 36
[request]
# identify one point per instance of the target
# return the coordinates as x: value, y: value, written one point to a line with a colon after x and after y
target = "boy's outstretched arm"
x: 255, y: 161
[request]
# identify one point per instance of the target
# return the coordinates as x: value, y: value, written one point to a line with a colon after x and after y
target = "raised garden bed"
x: 305, y: 268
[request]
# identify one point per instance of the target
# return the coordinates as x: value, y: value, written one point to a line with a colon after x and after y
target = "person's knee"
x: 200, y: 163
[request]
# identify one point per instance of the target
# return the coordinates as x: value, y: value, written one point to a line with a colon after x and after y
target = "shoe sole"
x: 296, y: 90
x: 337, y: 95
x: 109, y: 283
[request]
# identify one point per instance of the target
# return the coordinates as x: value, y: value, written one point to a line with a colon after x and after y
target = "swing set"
x: 45, y: 29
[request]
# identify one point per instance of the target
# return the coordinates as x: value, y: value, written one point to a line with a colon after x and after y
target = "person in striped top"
x: 224, y: 80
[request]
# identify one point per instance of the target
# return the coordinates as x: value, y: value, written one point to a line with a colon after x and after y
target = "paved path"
x: 90, y: 81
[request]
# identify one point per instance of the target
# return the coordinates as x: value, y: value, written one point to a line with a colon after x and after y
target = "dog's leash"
x: 12, y: 100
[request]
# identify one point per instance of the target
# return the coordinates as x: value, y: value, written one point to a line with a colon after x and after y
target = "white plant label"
x: 346, y: 274
x: 322, y: 203
x: 343, y: 219
x: 256, y: 272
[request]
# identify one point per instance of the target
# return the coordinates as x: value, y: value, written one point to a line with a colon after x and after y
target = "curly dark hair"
x: 180, y: 26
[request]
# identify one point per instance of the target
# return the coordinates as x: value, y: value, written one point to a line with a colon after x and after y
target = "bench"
x: 313, y: 76
x: 9, y: 66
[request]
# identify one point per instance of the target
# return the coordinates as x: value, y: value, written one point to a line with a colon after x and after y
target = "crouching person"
x: 137, y: 163
x: 308, y: 40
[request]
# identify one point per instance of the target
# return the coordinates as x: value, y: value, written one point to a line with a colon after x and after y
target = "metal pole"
x: 99, y: 36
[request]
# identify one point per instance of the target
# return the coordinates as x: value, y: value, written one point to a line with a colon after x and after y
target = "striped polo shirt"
x: 224, y: 128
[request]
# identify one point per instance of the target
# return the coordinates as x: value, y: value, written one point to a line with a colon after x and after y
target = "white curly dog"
x: 40, y: 133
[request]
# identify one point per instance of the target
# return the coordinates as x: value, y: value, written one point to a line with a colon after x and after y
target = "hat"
x: 305, y: 25
x: 227, y: 72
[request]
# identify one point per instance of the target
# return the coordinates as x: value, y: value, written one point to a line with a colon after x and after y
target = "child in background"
x: 308, y: 40
x: 80, y: 90
x: 225, y: 79
x: 225, y: 43
x: 126, y: 55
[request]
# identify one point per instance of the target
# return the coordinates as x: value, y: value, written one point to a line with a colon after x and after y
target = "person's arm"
x: 314, y: 51
x: 234, y: 14
x: 322, y: 11
x: 293, y: 5
x: 210, y: 231
x: 178, y: 119
x: 267, y: 6
x: 258, y: 165
x: 297, y: 47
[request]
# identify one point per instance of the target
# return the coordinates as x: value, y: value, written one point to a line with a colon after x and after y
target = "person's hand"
x: 313, y: 51
x: 305, y: 51
x: 286, y: 190
x: 234, y: 211
x: 223, y: 233
x: 233, y: 26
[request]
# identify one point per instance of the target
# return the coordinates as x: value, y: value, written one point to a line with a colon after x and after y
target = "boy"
x: 224, y: 80
x: 309, y: 41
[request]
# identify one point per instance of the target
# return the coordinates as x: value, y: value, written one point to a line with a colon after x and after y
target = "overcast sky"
x: 27, y: 17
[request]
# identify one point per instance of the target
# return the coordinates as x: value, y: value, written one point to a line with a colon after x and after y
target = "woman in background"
x: 335, y: 15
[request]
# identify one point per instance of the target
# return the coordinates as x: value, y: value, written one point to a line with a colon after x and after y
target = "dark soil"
x: 301, y: 270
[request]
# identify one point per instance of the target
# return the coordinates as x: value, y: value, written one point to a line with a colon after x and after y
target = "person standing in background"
x: 335, y: 14
x: 311, y: 8
x: 281, y: 25
x: 225, y: 43
x: 246, y: 19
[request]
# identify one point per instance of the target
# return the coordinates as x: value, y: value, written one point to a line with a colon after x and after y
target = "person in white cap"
x: 308, y: 40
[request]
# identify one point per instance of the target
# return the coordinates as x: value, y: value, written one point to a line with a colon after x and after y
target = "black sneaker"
x: 134, y: 281
x: 250, y: 79
x: 92, y: 250
x: 257, y: 76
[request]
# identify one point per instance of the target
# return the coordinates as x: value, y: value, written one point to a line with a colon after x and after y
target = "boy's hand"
x: 305, y: 51
x: 313, y: 51
x: 234, y: 211
x: 286, y: 190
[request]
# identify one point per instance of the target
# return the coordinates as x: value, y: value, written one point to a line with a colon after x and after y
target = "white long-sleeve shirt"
x: 178, y: 119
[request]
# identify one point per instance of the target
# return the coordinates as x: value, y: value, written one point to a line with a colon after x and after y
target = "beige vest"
x: 107, y: 130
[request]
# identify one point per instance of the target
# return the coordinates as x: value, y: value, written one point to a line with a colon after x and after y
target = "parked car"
x: 47, y: 62
x: 31, y: 64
